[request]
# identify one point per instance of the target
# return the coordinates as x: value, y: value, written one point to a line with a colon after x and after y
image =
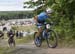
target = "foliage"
x: 64, y: 14
x: 63, y: 17
x: 6, y: 15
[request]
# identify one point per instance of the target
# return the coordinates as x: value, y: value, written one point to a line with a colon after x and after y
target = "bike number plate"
x: 48, y: 26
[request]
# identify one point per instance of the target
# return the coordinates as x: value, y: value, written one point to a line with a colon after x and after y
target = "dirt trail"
x: 30, y: 48
x: 3, y: 42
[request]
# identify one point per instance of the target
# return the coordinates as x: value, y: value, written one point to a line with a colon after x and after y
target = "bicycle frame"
x: 45, y: 30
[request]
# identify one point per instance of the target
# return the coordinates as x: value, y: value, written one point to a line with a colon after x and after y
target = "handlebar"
x: 51, y: 23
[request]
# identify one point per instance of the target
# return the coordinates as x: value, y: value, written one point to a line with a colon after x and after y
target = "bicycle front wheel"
x: 37, y: 40
x: 52, y: 39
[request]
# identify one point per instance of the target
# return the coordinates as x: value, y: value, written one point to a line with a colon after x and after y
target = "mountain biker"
x: 41, y: 19
x: 11, y: 40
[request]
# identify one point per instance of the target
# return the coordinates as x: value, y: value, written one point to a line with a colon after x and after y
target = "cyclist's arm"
x: 35, y: 19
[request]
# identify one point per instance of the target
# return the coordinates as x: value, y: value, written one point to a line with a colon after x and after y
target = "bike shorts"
x: 39, y: 25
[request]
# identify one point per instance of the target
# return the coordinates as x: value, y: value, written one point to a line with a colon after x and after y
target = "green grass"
x: 24, y: 39
x: 5, y: 50
x: 70, y: 43
x: 28, y: 38
x: 25, y: 28
x: 8, y: 50
x: 2, y: 49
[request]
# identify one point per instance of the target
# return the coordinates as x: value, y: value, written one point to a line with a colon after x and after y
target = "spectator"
x: 21, y: 34
x: 17, y: 34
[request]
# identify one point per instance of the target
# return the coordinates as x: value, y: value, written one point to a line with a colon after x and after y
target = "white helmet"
x: 49, y: 10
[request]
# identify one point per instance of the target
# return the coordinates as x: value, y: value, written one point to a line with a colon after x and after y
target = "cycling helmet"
x: 49, y: 10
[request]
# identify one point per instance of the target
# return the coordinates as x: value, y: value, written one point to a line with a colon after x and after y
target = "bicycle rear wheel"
x: 37, y: 40
x: 51, y: 39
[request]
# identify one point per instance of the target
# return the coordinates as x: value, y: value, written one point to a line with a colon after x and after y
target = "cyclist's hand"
x: 45, y: 22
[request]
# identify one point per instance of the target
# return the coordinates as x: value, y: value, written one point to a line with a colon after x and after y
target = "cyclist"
x: 11, y: 40
x: 41, y: 19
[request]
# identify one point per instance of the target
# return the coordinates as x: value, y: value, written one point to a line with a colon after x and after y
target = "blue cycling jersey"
x: 42, y: 16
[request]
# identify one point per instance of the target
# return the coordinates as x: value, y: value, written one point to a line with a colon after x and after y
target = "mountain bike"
x: 11, y: 41
x: 47, y: 34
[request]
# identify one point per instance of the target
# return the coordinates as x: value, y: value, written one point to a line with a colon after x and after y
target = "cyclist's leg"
x: 39, y: 29
x: 13, y: 42
x: 9, y: 42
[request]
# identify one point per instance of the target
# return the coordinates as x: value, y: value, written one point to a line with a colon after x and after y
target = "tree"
x: 36, y: 4
x: 64, y: 15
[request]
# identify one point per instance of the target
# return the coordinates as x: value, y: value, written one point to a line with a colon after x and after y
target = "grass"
x: 25, y: 28
x: 28, y: 38
x: 70, y: 43
x: 5, y: 50
x: 25, y: 39
x: 2, y: 49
